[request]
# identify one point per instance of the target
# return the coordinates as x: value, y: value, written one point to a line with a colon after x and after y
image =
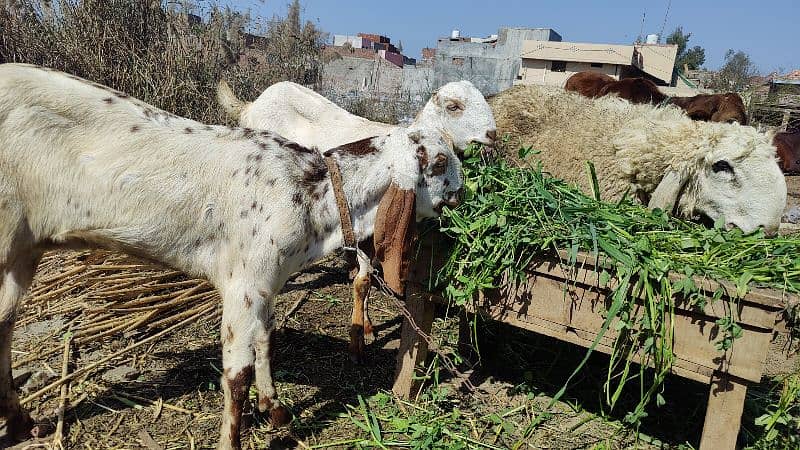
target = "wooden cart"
x: 567, y: 304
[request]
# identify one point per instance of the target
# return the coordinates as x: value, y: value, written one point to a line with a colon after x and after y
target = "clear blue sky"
x: 769, y: 31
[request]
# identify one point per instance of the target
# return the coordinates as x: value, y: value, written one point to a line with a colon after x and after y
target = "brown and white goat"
x: 82, y: 165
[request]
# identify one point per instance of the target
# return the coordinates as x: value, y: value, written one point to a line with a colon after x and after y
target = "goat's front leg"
x: 239, y: 325
x: 360, y: 324
x: 265, y: 348
x: 14, y: 281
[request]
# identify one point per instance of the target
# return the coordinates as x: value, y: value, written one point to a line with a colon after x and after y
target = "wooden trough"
x: 567, y: 304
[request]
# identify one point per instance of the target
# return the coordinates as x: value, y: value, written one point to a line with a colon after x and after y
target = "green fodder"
x: 162, y: 55
x: 513, y: 215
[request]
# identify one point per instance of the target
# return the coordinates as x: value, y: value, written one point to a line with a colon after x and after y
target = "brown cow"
x: 713, y: 107
x: 788, y: 145
x: 707, y: 107
x: 635, y: 90
x: 588, y: 83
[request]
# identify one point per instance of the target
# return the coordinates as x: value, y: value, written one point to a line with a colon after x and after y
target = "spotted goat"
x: 457, y: 109
x: 82, y: 165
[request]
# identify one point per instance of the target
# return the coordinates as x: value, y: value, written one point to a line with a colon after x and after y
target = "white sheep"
x: 664, y: 158
x: 82, y: 165
x: 458, y: 109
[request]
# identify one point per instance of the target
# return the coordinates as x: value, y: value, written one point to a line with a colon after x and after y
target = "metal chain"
x: 366, y: 266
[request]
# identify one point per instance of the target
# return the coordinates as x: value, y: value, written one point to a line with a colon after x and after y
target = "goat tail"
x: 227, y: 99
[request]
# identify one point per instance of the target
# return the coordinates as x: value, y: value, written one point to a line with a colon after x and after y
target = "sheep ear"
x: 666, y: 194
x: 394, y: 235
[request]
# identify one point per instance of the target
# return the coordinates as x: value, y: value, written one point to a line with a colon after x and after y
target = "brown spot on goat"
x: 135, y: 128
x: 248, y: 302
x: 297, y: 198
x: 439, y: 164
x: 108, y: 100
x: 297, y: 147
x: 188, y: 130
x: 358, y: 148
x: 229, y: 336
x: 422, y: 156
x: 238, y: 386
x: 314, y: 173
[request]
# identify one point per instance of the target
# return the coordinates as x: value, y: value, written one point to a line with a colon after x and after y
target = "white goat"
x: 457, y: 109
x: 82, y: 165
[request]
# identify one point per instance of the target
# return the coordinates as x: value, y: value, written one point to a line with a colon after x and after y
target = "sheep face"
x: 740, y: 181
x: 439, y: 182
x: 464, y: 113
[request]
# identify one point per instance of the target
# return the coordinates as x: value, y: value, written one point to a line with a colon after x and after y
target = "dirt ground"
x: 167, y: 396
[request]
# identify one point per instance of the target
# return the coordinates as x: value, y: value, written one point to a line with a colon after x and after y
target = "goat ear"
x: 394, y: 235
x: 666, y: 194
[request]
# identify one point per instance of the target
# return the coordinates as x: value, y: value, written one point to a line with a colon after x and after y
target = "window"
x: 558, y: 66
x: 457, y: 61
x: 596, y: 64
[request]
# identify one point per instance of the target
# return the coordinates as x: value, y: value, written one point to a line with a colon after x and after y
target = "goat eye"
x: 722, y: 166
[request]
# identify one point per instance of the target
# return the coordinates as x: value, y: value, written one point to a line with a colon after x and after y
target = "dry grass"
x: 159, y: 54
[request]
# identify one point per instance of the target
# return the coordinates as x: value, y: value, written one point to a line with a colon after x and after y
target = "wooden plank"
x: 574, y: 306
x: 724, y: 412
x: 413, y: 350
x: 588, y: 268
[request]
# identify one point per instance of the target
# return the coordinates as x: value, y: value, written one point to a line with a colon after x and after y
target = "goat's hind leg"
x: 16, y: 278
x: 265, y: 349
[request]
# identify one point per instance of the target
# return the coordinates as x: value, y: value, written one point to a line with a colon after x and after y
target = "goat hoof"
x: 279, y: 416
x: 358, y: 358
x: 370, y: 335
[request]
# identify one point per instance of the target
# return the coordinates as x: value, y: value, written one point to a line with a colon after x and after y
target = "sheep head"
x: 733, y: 176
x: 460, y: 109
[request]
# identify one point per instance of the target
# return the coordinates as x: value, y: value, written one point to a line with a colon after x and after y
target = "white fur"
x: 84, y: 166
x: 634, y: 147
x: 458, y: 109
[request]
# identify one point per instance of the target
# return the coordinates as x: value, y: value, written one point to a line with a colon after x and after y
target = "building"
x: 539, y: 56
x: 492, y: 64
x: 551, y: 63
x: 366, y: 44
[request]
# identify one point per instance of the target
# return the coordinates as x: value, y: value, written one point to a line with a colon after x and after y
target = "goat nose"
x: 458, y: 196
x: 771, y: 230
x: 492, y: 134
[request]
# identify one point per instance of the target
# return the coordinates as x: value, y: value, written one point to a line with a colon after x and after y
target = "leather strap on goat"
x: 348, y: 234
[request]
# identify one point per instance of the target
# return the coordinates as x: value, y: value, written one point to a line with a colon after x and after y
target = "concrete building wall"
x: 539, y: 71
x: 379, y: 77
x: 491, y: 66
